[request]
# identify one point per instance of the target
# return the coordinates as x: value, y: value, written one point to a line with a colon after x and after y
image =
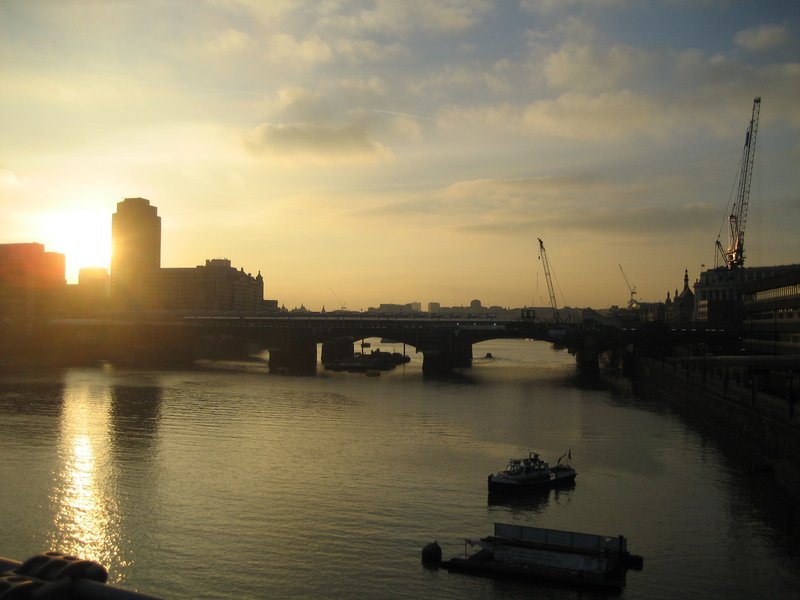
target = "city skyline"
x: 360, y: 153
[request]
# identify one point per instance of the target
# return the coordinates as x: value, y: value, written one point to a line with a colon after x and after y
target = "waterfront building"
x: 135, y: 253
x: 139, y: 283
x: 32, y: 282
x: 719, y: 292
x: 771, y: 306
x: 213, y: 287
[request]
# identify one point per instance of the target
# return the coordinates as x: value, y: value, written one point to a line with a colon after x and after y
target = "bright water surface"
x: 228, y: 482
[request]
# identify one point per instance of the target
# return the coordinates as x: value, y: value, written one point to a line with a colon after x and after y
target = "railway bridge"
x: 444, y: 343
x: 292, y: 340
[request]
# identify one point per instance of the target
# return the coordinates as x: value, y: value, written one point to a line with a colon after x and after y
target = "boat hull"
x: 485, y: 566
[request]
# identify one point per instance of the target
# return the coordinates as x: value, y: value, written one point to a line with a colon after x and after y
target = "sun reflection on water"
x: 84, y: 497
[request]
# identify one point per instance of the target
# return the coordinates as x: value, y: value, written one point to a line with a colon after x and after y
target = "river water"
x: 227, y: 482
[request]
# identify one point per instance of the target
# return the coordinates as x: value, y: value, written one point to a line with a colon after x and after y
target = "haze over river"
x: 228, y: 482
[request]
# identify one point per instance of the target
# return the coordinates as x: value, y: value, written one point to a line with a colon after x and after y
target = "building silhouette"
x: 92, y: 293
x: 681, y: 308
x: 32, y: 282
x: 138, y: 282
x: 135, y: 253
x: 720, y: 292
x: 213, y: 287
x: 771, y: 307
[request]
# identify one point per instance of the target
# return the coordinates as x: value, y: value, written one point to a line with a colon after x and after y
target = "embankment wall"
x: 764, y: 425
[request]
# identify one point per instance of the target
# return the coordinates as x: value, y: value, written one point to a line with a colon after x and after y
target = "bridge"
x: 445, y: 342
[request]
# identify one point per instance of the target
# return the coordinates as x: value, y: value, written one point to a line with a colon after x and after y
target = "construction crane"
x: 733, y: 256
x: 548, y: 279
x: 632, y: 290
x: 341, y: 304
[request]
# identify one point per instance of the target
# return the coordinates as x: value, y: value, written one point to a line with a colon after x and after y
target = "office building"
x: 32, y: 282
x: 213, y: 287
x: 771, y: 307
x: 719, y: 292
x: 135, y: 252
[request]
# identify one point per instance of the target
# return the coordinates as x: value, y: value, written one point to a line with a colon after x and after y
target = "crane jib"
x: 733, y: 256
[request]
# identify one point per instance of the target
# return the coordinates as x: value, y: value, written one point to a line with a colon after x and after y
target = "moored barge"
x: 535, y: 553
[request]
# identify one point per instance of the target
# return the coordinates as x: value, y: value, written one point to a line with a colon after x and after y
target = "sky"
x: 358, y: 153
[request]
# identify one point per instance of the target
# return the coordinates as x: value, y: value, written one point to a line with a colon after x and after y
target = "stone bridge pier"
x: 587, y: 354
x: 445, y: 354
x: 337, y: 349
x: 295, y: 353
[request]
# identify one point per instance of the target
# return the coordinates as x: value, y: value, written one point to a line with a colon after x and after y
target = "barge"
x: 535, y: 553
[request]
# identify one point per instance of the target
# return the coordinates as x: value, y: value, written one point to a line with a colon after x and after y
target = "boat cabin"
x: 527, y: 466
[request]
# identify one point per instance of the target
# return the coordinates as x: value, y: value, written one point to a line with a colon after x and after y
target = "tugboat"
x: 531, y: 473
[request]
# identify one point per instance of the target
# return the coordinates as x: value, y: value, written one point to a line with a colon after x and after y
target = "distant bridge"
x: 445, y: 342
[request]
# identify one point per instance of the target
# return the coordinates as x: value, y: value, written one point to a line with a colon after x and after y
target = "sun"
x: 83, y: 236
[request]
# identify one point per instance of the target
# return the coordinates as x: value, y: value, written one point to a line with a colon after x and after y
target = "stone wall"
x: 765, y: 425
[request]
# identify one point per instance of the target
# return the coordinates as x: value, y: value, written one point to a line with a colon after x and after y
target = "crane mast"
x: 733, y: 256
x: 632, y: 290
x: 548, y: 279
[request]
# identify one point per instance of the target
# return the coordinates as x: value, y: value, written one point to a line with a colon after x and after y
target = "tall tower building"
x: 135, y: 252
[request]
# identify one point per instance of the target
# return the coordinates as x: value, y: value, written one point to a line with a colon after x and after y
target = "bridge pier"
x: 298, y: 356
x: 445, y: 359
x: 337, y: 349
x: 587, y: 355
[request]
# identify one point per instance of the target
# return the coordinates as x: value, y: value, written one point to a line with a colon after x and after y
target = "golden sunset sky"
x: 398, y: 151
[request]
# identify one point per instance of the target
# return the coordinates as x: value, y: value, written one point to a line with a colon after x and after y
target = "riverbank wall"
x: 765, y: 426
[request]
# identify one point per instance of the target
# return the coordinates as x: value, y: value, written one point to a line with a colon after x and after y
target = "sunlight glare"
x: 87, y: 522
x: 83, y: 236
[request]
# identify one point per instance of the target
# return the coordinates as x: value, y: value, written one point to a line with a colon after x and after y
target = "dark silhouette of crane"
x: 548, y: 279
x: 632, y: 290
x: 733, y: 256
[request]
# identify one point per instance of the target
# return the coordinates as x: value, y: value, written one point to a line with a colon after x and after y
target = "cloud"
x: 359, y: 51
x: 639, y: 221
x: 467, y: 80
x: 586, y: 205
x: 572, y: 29
x: 297, y: 103
x: 762, y: 37
x: 592, y: 221
x: 549, y: 6
x: 585, y: 68
x: 398, y: 18
x: 317, y: 142
x: 721, y: 88
x: 573, y: 116
x: 231, y: 41
x: 338, y: 122
x: 286, y: 49
x: 607, y: 116
x: 504, y: 116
